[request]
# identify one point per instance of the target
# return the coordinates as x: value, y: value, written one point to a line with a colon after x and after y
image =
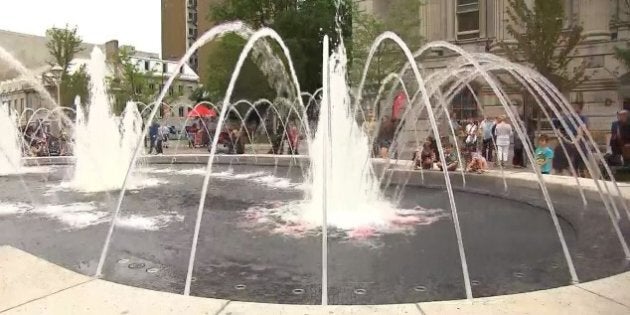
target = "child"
x: 450, y: 158
x: 424, y: 158
x: 544, y: 155
x: 478, y: 164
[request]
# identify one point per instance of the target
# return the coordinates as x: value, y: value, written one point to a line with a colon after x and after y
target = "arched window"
x: 464, y: 105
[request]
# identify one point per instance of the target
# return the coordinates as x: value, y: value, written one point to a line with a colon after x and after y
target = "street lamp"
x: 54, y: 76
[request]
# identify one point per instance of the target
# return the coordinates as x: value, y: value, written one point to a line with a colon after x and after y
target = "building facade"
x: 183, y: 21
x: 480, y: 25
x: 19, y: 94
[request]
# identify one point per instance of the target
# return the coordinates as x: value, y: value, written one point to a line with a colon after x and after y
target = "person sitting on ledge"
x: 478, y: 164
x: 423, y: 158
x: 450, y: 159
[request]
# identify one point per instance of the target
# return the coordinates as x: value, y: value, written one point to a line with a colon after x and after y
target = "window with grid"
x: 464, y: 105
x: 467, y: 19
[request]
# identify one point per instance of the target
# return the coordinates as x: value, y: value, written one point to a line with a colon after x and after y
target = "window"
x: 467, y: 19
x: 181, y: 112
x: 161, y: 87
x: 170, y: 91
x: 152, y: 87
x: 165, y: 68
x: 146, y: 65
x: 464, y: 105
x: 21, y: 105
x: 180, y: 89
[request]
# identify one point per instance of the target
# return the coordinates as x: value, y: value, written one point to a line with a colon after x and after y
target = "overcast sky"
x: 132, y: 22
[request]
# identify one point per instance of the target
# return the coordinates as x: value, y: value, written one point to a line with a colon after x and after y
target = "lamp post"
x: 54, y: 76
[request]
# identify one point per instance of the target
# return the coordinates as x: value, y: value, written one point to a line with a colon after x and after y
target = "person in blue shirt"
x: 544, y: 155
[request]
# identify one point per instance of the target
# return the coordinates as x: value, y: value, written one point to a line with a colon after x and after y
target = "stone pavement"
x: 30, y: 285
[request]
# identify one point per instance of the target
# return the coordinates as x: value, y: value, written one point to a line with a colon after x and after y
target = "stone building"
x: 183, y: 21
x: 20, y: 94
x: 479, y: 25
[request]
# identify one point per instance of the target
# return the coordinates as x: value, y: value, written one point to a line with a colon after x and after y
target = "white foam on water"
x: 343, y: 182
x: 154, y: 223
x: 75, y: 216
x: 135, y: 183
x: 7, y: 209
x: 260, y: 177
x: 275, y: 182
x: 288, y: 219
x: 104, y: 143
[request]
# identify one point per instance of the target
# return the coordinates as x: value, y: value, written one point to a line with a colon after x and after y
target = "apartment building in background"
x: 183, y: 21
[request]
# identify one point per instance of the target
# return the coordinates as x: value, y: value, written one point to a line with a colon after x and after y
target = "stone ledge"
x: 35, y: 286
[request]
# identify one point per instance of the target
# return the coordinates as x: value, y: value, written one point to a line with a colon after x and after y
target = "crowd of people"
x: 489, y: 141
x: 39, y: 140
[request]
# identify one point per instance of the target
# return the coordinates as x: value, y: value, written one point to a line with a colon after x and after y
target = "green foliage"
x: 76, y: 84
x: 403, y: 18
x: 301, y: 24
x: 543, y: 42
x: 223, y: 56
x: 63, y: 45
x: 130, y: 82
x: 623, y: 55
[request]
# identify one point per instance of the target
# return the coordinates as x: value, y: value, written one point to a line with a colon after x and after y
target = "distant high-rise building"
x: 183, y: 21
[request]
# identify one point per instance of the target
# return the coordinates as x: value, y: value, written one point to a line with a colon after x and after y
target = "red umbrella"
x: 202, y: 111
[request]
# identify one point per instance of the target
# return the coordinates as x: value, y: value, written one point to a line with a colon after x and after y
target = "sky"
x: 131, y: 22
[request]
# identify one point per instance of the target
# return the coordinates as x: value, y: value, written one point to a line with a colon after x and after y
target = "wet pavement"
x: 510, y: 246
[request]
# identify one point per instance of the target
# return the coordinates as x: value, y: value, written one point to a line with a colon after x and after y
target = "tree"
x: 543, y: 42
x: 402, y: 17
x: 130, y: 82
x: 623, y: 54
x: 63, y: 45
x: 301, y: 23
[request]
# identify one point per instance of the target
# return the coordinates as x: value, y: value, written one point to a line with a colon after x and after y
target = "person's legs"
x: 158, y: 147
x: 151, y: 145
x: 485, y: 149
x: 452, y: 167
x: 503, y: 154
x: 500, y: 155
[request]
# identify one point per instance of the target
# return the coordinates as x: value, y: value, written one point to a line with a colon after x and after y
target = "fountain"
x: 385, y: 233
x: 10, y: 152
x: 104, y: 144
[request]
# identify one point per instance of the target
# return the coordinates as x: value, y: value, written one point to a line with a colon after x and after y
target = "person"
x: 236, y: 144
x: 191, y: 132
x: 471, y: 134
x: 616, y: 140
x: 159, y: 140
x: 544, y: 155
x: 385, y: 137
x: 503, y: 132
x: 433, y: 143
x: 517, y: 159
x: 153, y: 134
x: 450, y: 159
x: 165, y: 131
x: 478, y: 164
x: 294, y: 139
x: 573, y: 139
x: 487, y: 144
x: 424, y: 157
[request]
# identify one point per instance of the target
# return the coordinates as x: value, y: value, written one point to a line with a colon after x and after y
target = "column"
x: 595, y: 16
x: 448, y: 14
